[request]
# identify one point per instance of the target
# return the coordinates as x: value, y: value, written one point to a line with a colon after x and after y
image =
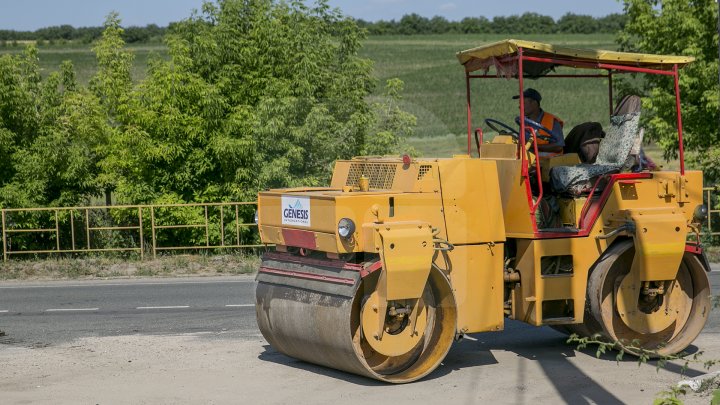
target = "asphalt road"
x: 42, y: 314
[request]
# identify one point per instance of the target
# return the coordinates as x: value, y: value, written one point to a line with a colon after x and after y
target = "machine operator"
x: 533, y: 112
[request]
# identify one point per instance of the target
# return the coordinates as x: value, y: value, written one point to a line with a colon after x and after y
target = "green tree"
x: 255, y: 94
x: 51, y: 137
x: 112, y: 82
x: 474, y: 25
x: 112, y: 85
x: 680, y: 27
x: 414, y: 24
x: 577, y: 24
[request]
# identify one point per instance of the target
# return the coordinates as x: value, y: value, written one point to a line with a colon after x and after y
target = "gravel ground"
x: 199, y: 368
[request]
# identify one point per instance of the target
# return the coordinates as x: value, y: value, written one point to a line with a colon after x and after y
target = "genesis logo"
x: 295, y: 211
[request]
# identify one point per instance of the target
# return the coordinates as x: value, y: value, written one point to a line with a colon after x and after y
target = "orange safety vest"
x: 548, y: 121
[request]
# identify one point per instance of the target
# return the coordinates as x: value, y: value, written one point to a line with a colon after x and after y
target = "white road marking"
x: 4, y: 311
x: 240, y: 305
x: 70, y: 309
x: 166, y: 307
x: 92, y: 284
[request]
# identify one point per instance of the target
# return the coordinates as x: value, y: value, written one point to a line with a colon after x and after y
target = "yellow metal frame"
x: 708, y: 194
x: 140, y: 219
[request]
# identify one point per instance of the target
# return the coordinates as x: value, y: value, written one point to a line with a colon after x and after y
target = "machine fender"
x: 406, y: 250
x: 697, y: 250
x: 660, y: 240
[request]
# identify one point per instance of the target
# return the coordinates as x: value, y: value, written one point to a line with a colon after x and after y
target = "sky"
x: 28, y: 15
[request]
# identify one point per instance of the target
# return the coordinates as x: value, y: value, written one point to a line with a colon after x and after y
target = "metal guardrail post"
x: 72, y: 229
x: 57, y: 231
x: 140, y: 225
x: 152, y: 227
x: 709, y: 205
x: 87, y: 227
x: 207, y: 227
x: 4, y: 237
x: 237, y: 223
x: 222, y: 226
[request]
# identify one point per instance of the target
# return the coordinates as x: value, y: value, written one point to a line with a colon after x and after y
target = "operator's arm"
x: 557, y: 141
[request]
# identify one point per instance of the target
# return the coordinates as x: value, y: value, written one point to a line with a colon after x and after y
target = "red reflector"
x: 406, y: 160
x: 298, y: 238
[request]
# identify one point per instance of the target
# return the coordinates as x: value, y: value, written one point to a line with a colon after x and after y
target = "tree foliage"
x: 255, y: 94
x: 52, y: 135
x: 680, y: 27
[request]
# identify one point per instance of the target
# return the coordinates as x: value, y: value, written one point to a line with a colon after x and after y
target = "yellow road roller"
x: 380, y: 272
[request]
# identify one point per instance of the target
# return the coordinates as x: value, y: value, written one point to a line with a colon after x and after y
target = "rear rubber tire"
x: 691, y: 283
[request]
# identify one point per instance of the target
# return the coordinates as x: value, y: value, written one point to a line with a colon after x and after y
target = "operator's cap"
x: 530, y: 93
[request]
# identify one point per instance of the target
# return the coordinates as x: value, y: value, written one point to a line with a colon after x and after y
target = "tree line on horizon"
x: 526, y: 23
x: 85, y: 35
x: 409, y: 24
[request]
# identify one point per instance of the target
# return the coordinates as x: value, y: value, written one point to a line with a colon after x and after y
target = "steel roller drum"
x: 310, y: 309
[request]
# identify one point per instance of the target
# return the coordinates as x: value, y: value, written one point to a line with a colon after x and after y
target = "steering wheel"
x: 501, y: 127
x: 538, y: 127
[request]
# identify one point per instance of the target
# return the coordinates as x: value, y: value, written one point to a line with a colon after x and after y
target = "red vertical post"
x: 522, y: 108
x: 610, y: 91
x: 681, y: 150
x: 469, y: 111
x: 523, y: 153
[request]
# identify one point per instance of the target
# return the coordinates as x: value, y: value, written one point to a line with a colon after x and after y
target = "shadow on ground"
x: 544, y: 345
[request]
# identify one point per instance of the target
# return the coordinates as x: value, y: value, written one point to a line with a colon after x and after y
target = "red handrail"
x: 478, y: 139
x: 533, y: 209
x: 681, y: 150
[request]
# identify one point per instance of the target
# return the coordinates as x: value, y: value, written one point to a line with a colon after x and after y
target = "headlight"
x: 701, y: 213
x: 257, y: 217
x: 346, y: 228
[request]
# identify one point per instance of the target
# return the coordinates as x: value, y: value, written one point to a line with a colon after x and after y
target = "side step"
x: 559, y: 321
x: 559, y: 230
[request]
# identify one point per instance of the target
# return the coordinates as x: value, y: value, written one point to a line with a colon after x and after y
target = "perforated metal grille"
x: 380, y: 175
x: 424, y: 169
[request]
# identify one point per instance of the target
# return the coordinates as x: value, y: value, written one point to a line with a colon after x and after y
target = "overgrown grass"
x: 104, y: 267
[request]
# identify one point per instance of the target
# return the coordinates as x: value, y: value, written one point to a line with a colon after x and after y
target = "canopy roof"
x: 491, y: 54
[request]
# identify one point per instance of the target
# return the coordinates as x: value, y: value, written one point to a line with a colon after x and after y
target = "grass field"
x: 83, y: 58
x: 434, y: 84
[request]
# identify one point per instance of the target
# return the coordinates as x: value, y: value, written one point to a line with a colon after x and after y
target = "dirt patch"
x: 230, y: 369
x: 89, y: 268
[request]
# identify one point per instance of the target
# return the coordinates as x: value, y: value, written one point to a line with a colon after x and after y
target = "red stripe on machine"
x: 307, y: 276
x: 338, y: 264
x: 370, y: 269
x: 298, y: 238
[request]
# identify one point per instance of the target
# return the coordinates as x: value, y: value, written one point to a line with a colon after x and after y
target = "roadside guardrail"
x: 143, y: 229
